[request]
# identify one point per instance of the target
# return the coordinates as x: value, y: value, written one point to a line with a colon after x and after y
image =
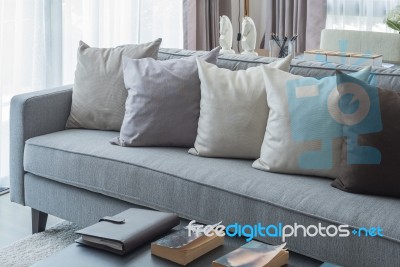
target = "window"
x: 107, y: 23
x: 363, y: 15
x: 39, y: 38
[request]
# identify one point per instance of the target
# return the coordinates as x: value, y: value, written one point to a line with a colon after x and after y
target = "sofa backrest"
x: 388, y: 78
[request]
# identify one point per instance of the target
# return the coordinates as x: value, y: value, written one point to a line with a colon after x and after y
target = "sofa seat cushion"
x: 210, y: 190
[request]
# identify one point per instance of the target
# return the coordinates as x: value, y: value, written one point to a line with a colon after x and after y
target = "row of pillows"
x: 190, y: 102
x: 339, y: 127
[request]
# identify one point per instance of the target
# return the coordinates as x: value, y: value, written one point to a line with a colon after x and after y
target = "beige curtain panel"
x: 306, y: 18
x: 201, y: 23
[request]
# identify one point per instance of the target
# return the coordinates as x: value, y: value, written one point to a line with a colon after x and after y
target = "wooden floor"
x: 15, y: 221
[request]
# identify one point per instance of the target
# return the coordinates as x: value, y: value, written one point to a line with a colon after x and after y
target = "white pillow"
x: 301, y: 136
x: 233, y: 111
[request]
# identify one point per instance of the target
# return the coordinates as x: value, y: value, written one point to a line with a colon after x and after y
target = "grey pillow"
x: 163, y: 103
x: 98, y: 97
x: 371, y: 149
x: 233, y: 111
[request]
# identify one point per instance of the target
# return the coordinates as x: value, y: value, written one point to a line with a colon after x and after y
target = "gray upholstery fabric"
x: 232, y: 62
x: 171, y: 53
x: 218, y: 189
x: 98, y: 99
x: 34, y: 114
x: 163, y: 103
x: 66, y: 201
x: 42, y: 192
x: 267, y: 197
x: 242, y: 62
x: 386, y: 78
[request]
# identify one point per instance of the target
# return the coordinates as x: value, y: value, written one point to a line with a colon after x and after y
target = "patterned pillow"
x: 302, y: 136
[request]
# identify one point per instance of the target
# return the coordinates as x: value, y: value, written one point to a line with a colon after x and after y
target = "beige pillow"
x: 233, y: 111
x: 99, y: 94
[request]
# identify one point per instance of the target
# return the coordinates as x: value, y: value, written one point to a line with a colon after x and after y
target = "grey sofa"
x: 78, y: 176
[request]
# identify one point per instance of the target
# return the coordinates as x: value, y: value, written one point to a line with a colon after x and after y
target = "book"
x: 127, y: 230
x: 181, y: 248
x: 343, y: 57
x: 316, y: 55
x: 366, y: 60
x: 255, y: 254
x: 339, y: 57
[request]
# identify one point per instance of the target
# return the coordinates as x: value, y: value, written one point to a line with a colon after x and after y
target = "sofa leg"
x: 39, y: 220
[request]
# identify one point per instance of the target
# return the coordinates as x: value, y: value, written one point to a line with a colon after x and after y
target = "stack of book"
x: 343, y: 57
x: 181, y: 248
x: 339, y: 57
x: 133, y: 228
x: 366, y: 60
x: 316, y: 55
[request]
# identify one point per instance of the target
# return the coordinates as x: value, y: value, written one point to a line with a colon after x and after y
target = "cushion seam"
x: 219, y: 58
x: 291, y: 65
x: 296, y: 65
x: 181, y: 55
x: 207, y: 185
x: 190, y: 216
x: 247, y: 61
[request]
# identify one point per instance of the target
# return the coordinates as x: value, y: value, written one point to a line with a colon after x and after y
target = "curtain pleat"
x: 201, y: 24
x: 189, y: 24
x: 289, y: 17
x: 39, y: 40
x: 315, y: 23
x: 213, y: 40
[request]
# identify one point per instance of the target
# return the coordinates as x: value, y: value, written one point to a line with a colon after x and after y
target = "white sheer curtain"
x: 106, y: 23
x: 25, y: 63
x: 39, y: 38
x: 362, y: 15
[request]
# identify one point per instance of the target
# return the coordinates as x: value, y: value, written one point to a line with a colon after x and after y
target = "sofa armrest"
x: 31, y: 115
